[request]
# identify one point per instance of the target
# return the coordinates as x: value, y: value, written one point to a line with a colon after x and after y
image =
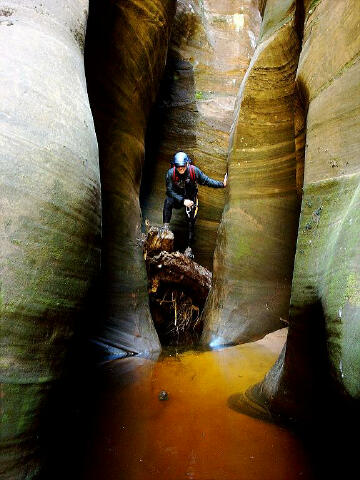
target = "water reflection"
x: 192, y: 434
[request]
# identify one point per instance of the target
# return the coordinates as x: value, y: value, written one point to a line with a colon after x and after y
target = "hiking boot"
x: 189, y: 253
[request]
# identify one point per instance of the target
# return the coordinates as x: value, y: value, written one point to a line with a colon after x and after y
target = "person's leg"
x: 191, y: 222
x: 191, y: 218
x: 167, y: 210
x: 191, y: 231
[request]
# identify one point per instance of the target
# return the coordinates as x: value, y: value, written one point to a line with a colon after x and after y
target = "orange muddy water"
x: 193, y: 434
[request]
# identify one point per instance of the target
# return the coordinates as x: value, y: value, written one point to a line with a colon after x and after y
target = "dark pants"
x: 169, y: 204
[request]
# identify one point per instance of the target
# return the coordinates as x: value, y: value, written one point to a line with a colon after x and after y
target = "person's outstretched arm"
x: 203, y: 179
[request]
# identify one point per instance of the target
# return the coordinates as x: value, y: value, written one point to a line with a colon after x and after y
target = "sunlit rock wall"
x: 254, y: 256
x: 50, y: 211
x: 325, y: 300
x: 210, y: 49
x: 126, y: 53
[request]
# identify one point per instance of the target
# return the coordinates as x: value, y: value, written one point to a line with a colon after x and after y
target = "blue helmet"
x: 181, y: 159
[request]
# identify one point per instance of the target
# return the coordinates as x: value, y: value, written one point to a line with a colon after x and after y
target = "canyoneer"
x: 182, y: 181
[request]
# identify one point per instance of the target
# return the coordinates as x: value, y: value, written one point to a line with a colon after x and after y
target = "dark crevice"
x: 300, y: 19
x: 170, y: 128
x: 175, y: 308
x: 176, y: 316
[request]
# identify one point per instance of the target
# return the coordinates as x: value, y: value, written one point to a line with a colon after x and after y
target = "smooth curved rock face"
x: 50, y: 211
x: 256, y: 241
x: 126, y: 52
x: 325, y: 292
x: 327, y: 264
x: 210, y: 49
x: 275, y: 14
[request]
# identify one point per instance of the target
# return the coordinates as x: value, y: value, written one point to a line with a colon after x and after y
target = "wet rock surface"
x: 50, y: 213
x: 324, y: 300
x: 256, y: 240
x: 316, y: 378
x: 126, y: 53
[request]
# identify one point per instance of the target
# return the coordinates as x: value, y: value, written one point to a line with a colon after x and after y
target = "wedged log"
x: 177, y: 269
x: 210, y: 49
x: 254, y: 257
x: 326, y: 284
x: 178, y: 288
x: 158, y: 240
x: 126, y: 52
x: 50, y: 212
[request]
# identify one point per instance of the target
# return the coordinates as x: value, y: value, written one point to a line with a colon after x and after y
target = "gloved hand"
x: 188, y: 203
x: 225, y: 179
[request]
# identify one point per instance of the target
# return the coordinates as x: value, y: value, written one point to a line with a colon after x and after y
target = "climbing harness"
x: 195, y: 207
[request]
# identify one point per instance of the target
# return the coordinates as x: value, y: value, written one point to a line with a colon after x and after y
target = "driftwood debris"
x: 176, y: 268
x: 157, y: 240
x: 178, y: 287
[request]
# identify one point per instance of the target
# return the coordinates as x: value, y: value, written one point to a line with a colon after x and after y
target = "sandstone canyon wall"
x: 50, y: 211
x: 50, y: 185
x: 324, y: 330
x: 256, y: 241
x: 126, y: 53
x: 327, y: 262
x: 210, y: 49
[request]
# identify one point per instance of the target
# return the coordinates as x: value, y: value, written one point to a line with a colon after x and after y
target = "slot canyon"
x: 122, y: 357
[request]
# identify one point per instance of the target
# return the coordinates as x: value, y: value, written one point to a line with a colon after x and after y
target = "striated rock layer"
x: 324, y: 329
x: 50, y: 211
x: 256, y: 241
x: 210, y: 49
x: 126, y: 52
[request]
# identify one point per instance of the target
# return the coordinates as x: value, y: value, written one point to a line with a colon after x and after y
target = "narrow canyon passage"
x: 193, y: 434
x: 98, y: 379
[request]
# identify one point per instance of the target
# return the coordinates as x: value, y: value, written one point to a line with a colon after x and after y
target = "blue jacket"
x: 184, y: 187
